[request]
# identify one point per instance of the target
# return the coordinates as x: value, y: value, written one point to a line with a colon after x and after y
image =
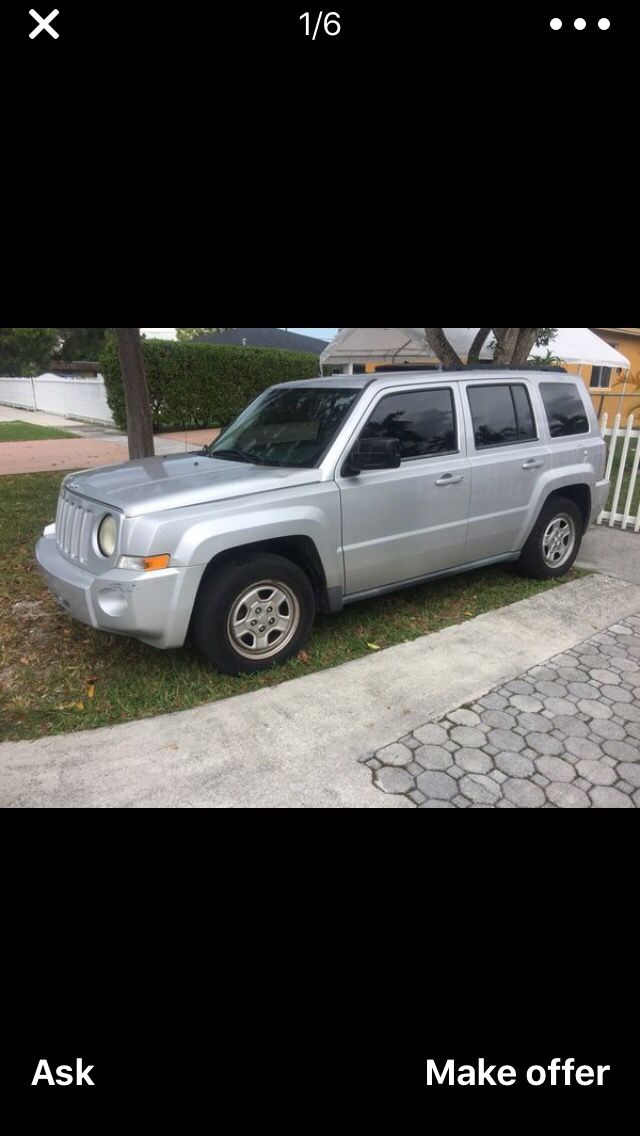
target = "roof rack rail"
x: 489, y: 366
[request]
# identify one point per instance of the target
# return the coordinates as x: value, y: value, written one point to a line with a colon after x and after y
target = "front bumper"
x: 153, y: 606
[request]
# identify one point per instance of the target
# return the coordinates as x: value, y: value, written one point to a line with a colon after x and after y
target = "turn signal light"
x: 145, y: 563
x: 155, y: 563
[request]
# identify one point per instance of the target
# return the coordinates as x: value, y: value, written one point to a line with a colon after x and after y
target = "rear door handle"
x: 450, y: 479
x: 535, y: 463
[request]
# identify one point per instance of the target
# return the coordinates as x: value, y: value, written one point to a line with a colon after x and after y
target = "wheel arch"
x: 300, y: 550
x: 577, y: 491
x: 580, y: 494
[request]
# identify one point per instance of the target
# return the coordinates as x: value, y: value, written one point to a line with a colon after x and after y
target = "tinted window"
x: 501, y: 415
x: 565, y: 409
x: 423, y: 422
x: 494, y: 416
x: 524, y: 414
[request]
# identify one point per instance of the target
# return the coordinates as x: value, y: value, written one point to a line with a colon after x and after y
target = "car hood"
x: 153, y: 484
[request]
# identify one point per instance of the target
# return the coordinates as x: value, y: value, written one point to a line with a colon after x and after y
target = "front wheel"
x: 253, y: 613
x: 555, y: 542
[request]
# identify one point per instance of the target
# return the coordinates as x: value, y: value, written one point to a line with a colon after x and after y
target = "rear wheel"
x: 253, y: 613
x: 555, y: 542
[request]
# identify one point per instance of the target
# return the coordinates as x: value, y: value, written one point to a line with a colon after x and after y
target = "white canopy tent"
x: 580, y: 346
x: 395, y: 346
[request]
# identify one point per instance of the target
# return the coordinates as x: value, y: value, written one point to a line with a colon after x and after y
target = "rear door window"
x: 501, y: 415
x: 565, y: 409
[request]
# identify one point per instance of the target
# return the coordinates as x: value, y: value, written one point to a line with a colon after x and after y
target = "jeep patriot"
x: 324, y: 492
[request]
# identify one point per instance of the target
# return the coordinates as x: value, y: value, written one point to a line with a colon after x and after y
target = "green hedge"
x: 194, y: 385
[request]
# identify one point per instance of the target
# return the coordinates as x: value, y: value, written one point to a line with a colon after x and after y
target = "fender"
x: 550, y: 482
x: 198, y: 534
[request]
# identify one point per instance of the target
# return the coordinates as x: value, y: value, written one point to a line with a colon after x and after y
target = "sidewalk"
x: 299, y: 745
x: 38, y: 418
x: 58, y: 454
x: 94, y: 445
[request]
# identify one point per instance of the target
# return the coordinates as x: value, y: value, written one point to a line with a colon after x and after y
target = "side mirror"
x: 373, y: 454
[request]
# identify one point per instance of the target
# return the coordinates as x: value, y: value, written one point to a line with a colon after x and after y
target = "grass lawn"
x: 26, y: 432
x: 50, y: 665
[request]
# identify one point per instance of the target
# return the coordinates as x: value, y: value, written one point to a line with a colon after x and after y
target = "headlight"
x: 107, y: 535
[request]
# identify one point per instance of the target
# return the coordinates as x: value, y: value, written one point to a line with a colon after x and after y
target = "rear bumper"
x: 153, y: 606
x: 599, y: 499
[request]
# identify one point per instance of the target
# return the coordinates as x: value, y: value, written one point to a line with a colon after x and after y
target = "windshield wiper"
x: 237, y: 455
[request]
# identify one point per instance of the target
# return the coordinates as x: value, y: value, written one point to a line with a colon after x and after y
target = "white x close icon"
x: 43, y: 25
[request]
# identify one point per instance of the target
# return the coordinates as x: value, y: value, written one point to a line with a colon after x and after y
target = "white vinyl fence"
x: 72, y: 397
x: 623, y: 506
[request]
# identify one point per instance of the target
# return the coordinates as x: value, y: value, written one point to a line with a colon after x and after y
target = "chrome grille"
x: 73, y: 527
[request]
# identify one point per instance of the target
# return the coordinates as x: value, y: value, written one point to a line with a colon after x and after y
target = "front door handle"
x: 450, y: 479
x: 534, y: 463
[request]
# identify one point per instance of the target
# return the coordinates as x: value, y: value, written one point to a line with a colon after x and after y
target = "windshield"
x: 287, y: 426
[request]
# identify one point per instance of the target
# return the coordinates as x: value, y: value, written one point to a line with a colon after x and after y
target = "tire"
x: 555, y: 542
x: 232, y: 625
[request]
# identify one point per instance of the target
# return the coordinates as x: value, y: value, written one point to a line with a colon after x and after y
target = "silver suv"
x: 322, y: 493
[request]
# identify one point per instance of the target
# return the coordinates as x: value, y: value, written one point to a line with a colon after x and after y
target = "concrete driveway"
x: 612, y: 552
x: 298, y: 745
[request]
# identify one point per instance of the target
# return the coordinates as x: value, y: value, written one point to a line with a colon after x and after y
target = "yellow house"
x: 624, y: 386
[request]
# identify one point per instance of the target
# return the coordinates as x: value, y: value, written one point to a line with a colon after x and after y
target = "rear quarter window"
x: 566, y: 413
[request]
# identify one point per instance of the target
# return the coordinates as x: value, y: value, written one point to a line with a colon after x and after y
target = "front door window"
x: 422, y: 422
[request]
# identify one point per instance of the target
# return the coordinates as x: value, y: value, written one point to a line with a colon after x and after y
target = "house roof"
x: 266, y: 337
x: 397, y: 345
